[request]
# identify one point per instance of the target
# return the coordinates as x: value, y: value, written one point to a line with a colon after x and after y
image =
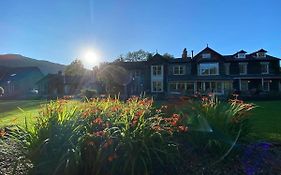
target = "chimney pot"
x: 184, y: 54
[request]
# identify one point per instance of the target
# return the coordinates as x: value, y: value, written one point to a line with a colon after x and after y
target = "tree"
x: 168, y: 56
x: 76, y: 68
x: 134, y: 56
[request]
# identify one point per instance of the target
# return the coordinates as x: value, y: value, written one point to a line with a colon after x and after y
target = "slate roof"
x: 17, y: 73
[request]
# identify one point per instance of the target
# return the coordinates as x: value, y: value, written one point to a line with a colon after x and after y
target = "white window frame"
x: 180, y: 68
x: 209, y: 73
x: 246, y: 68
x: 268, y: 87
x: 156, y: 72
x: 241, y: 55
x: 206, y: 55
x: 155, y: 89
x: 261, y: 55
x: 267, y: 67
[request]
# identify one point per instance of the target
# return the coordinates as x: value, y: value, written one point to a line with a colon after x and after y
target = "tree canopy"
x: 76, y: 68
x: 134, y: 56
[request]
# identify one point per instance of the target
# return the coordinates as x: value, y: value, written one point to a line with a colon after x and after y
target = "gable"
x: 208, y: 54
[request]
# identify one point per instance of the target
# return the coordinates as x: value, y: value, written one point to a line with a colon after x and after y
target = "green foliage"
x: 89, y: 93
x: 100, y: 136
x: 109, y: 136
x: 52, y: 143
x: 76, y: 68
x: 216, y: 127
x: 168, y: 56
x: 134, y: 56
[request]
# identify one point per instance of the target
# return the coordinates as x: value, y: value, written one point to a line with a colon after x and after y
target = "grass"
x: 11, y: 111
x: 266, y: 118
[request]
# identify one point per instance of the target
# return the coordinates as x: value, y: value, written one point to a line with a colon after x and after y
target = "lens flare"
x: 90, y: 59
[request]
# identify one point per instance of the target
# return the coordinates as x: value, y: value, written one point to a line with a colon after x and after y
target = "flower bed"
x: 109, y: 136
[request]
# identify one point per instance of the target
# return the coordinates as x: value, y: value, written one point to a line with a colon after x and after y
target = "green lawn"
x: 266, y: 118
x: 11, y: 113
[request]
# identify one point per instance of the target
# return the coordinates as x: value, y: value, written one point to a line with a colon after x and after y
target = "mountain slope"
x: 15, y: 60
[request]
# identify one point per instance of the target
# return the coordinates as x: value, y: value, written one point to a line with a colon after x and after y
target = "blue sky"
x: 61, y: 30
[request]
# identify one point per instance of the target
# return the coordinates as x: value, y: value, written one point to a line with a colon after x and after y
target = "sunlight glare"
x: 90, y: 59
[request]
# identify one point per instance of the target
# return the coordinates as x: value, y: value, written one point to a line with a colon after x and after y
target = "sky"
x: 62, y: 30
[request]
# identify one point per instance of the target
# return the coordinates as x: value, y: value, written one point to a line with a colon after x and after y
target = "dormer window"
x: 206, y: 55
x: 241, y: 55
x: 261, y: 55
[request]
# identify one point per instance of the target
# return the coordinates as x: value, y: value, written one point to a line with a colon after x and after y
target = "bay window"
x: 209, y: 69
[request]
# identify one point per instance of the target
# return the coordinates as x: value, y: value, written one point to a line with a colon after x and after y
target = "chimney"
x: 60, y: 73
x: 191, y: 54
x: 184, y: 54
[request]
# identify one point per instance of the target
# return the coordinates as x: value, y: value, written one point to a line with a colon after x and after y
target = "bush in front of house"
x: 102, y: 136
x: 215, y: 128
x: 109, y: 136
x: 89, y: 93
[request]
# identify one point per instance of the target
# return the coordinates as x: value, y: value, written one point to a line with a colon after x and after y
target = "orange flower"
x: 107, y: 143
x: 182, y: 128
x: 99, y: 133
x: 2, y: 133
x: 112, y: 157
x: 98, y: 121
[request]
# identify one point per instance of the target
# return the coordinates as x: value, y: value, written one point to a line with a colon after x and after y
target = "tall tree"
x: 134, y: 56
x: 168, y: 56
x: 76, y: 68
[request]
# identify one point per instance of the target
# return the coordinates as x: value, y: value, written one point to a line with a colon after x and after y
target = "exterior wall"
x: 230, y: 82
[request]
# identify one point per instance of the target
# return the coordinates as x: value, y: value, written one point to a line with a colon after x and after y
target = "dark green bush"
x: 89, y: 93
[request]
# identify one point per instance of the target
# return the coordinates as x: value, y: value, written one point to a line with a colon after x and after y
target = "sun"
x: 90, y: 58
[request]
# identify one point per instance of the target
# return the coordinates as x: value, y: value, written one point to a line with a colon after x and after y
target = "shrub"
x: 102, y: 136
x: 216, y: 127
x: 88, y: 93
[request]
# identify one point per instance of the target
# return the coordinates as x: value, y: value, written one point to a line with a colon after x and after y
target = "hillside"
x: 15, y: 60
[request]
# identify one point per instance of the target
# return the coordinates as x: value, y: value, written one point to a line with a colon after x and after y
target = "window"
x: 156, y: 70
x: 241, y: 55
x: 206, y: 55
x: 264, y: 68
x: 178, y: 70
x: 177, y: 86
x: 157, y: 86
x: 242, y: 68
x: 207, y: 87
x: 209, y: 69
x: 244, y: 85
x: 266, y: 86
x: 261, y: 55
x: 226, y: 68
x: 182, y: 87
